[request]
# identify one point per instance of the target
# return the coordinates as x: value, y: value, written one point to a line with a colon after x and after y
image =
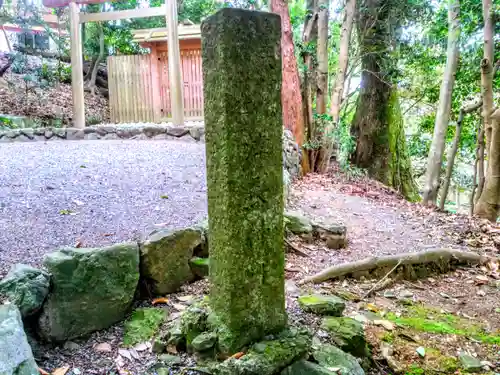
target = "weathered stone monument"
x: 242, y: 83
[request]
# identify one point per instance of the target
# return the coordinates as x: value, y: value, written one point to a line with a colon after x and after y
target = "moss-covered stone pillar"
x: 242, y: 82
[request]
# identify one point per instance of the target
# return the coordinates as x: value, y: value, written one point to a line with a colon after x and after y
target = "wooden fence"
x: 132, y: 87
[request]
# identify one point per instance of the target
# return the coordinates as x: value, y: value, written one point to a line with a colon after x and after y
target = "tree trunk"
x: 436, y: 152
x: 338, y: 87
x: 487, y: 70
x: 474, y: 177
x: 453, y: 151
x: 291, y: 97
x: 488, y: 204
x: 480, y: 164
x: 309, y: 37
x: 9, y: 47
x: 322, y: 55
x: 93, y: 77
x: 378, y: 123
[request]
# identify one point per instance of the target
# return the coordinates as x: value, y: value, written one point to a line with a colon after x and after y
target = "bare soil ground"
x: 445, y: 315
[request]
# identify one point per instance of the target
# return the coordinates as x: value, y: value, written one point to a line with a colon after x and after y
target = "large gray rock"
x: 330, y: 356
x: 92, y: 289
x: 16, y: 357
x: 26, y: 287
x: 165, y: 257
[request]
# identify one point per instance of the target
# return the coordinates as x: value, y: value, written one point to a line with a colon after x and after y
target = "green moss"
x: 388, y: 337
x: 415, y: 370
x: 143, y: 325
x: 200, y: 261
x: 449, y: 364
x: 427, y: 319
x: 243, y: 123
x: 399, y: 174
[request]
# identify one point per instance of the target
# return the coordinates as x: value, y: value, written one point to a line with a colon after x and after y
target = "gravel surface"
x: 94, y: 193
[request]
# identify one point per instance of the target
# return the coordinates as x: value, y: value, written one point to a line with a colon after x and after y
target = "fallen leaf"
x: 78, y: 244
x: 61, y: 370
x: 384, y: 323
x: 107, y: 234
x: 42, y: 371
x: 164, y: 196
x: 125, y: 353
x: 119, y: 361
x: 67, y: 212
x: 77, y: 371
x: 103, y: 347
x: 481, y: 293
x: 78, y: 203
x: 444, y: 295
x: 371, y: 307
x: 482, y: 278
x: 238, y: 355
x: 157, y: 301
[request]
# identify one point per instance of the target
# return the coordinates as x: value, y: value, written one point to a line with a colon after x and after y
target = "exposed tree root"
x: 411, y: 265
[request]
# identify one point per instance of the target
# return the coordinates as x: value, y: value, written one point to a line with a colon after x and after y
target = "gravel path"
x: 97, y: 193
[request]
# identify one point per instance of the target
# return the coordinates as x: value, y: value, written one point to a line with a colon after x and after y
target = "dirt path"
x: 377, y: 223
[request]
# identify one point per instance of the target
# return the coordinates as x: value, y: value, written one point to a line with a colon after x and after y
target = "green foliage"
x: 143, y: 325
x: 93, y: 120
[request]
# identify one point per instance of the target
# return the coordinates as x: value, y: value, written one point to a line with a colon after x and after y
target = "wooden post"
x: 76, y: 67
x: 155, y: 83
x: 174, y: 64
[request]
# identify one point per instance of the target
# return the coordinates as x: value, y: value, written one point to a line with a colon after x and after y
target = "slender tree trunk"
x: 488, y: 205
x: 436, y: 152
x: 322, y: 55
x: 451, y: 159
x: 309, y: 38
x: 474, y: 177
x: 291, y: 97
x: 93, y: 77
x: 345, y: 38
x: 453, y: 151
x: 487, y: 70
x: 338, y: 87
x: 378, y: 123
x: 480, y: 164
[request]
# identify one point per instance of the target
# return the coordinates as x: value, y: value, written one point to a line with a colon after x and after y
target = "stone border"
x: 190, y: 132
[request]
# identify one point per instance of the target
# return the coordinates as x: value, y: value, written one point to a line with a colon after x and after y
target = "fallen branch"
x: 381, y: 280
x: 295, y: 249
x: 425, y: 257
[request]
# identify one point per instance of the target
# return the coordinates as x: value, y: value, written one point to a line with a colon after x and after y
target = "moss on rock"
x: 243, y: 121
x: 322, y: 304
x: 348, y: 334
x: 200, y: 266
x: 330, y: 356
x: 268, y: 357
x: 91, y: 290
x: 143, y: 325
x: 165, y: 259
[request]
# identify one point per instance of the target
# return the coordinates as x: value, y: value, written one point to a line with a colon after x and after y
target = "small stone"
x: 204, y: 341
x: 334, y: 235
x: 103, y: 347
x: 170, y: 360
x: 421, y: 351
x: 469, y: 363
x: 389, y: 294
x: 322, y: 304
x: 291, y: 288
x: 297, y: 223
x: 70, y: 345
x: 177, y: 131
x: 405, y: 294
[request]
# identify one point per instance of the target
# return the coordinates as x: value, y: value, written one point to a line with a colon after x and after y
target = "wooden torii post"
x: 174, y: 56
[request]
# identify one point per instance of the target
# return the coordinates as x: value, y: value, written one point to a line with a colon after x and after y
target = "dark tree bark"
x: 378, y: 124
